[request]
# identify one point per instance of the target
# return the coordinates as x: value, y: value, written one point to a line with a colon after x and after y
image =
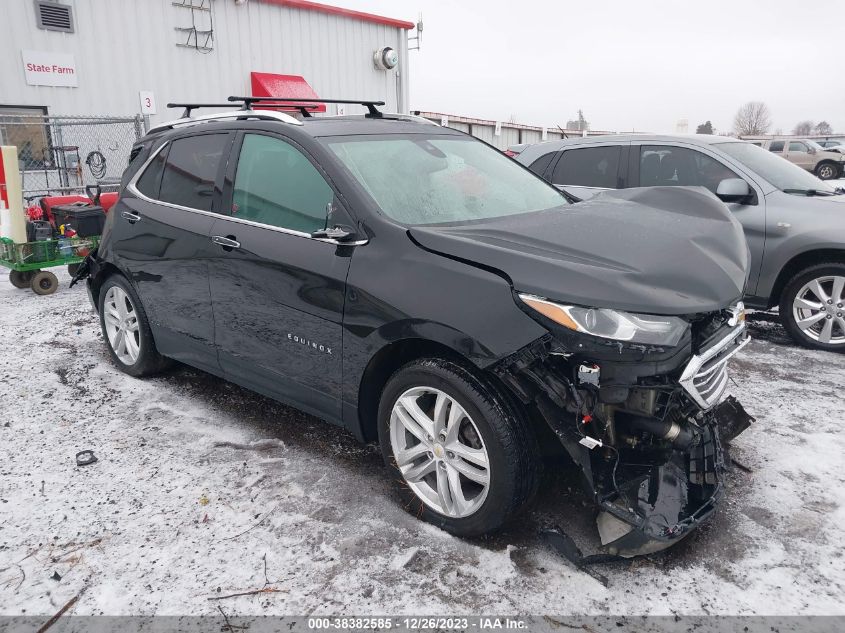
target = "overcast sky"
x: 629, y: 64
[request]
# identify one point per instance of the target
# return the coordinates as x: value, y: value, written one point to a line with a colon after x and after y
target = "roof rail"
x: 190, y: 107
x: 264, y: 115
x: 248, y: 102
x: 410, y: 117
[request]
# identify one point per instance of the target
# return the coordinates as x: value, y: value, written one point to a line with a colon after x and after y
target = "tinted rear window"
x: 191, y: 170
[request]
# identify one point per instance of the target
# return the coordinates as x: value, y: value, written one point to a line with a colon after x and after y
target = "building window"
x: 26, y: 128
x: 52, y: 16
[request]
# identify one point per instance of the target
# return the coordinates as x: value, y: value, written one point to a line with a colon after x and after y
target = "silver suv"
x: 794, y: 222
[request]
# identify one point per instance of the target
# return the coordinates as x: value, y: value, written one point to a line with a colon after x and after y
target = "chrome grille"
x: 705, y: 377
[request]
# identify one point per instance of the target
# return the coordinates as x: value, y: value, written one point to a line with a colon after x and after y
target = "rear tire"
x: 44, y: 283
x: 20, y: 279
x: 466, y: 497
x: 827, y: 171
x: 126, y: 329
x: 812, y: 307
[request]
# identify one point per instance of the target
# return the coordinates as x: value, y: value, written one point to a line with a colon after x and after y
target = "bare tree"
x: 823, y: 127
x: 803, y: 128
x: 752, y: 119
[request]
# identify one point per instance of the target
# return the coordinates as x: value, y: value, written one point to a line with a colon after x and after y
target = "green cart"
x: 28, y: 260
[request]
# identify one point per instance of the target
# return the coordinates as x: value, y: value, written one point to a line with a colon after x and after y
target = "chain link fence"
x: 63, y: 154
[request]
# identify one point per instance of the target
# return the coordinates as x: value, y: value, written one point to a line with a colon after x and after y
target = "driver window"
x: 664, y: 165
x: 277, y: 185
x: 797, y: 147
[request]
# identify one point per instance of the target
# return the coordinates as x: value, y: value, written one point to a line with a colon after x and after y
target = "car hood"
x: 829, y: 154
x: 823, y: 204
x: 657, y: 250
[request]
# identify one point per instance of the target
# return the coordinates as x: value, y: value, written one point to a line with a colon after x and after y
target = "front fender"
x: 404, y: 293
x: 786, y: 247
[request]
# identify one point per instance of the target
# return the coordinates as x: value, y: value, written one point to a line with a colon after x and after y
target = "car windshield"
x: 421, y: 179
x: 775, y: 169
x: 814, y: 145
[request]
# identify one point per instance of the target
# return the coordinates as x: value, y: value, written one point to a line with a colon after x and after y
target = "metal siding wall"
x: 531, y: 136
x: 484, y: 132
x: 123, y: 46
x: 463, y: 127
x: 510, y: 136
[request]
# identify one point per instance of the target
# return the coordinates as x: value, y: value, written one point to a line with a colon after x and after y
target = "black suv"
x: 417, y: 287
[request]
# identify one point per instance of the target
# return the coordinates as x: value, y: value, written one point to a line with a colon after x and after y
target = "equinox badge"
x: 304, y: 341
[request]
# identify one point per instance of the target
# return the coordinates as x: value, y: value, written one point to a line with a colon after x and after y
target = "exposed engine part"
x: 681, y: 437
x: 589, y: 374
x: 651, y: 456
x: 642, y: 401
x: 608, y: 414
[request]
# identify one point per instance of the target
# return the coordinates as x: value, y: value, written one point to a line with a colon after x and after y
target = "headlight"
x: 612, y: 324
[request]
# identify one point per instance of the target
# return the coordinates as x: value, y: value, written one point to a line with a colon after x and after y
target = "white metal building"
x: 96, y: 57
x: 504, y: 134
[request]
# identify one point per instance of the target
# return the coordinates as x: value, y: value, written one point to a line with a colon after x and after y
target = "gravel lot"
x: 203, y: 489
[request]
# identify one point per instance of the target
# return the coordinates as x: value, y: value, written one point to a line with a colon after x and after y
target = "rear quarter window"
x: 137, y: 157
x: 150, y: 181
x: 589, y: 167
x: 540, y: 165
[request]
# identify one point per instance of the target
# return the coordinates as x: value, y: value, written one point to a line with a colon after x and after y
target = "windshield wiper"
x: 812, y: 192
x: 572, y: 199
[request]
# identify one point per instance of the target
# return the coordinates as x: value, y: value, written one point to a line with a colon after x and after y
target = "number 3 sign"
x: 148, y: 102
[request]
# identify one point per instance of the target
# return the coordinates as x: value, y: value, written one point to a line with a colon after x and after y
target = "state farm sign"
x: 49, y: 69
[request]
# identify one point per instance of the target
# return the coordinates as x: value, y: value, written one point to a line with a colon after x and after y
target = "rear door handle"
x: 131, y: 217
x: 228, y: 243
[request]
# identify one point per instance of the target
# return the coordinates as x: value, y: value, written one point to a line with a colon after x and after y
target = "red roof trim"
x: 349, y: 13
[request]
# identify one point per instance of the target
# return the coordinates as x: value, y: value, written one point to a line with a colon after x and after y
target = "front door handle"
x: 132, y: 218
x: 228, y: 243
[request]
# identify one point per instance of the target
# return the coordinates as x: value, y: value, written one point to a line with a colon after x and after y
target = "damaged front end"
x: 644, y: 423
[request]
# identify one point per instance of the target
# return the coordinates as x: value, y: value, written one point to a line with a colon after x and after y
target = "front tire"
x: 827, y: 171
x: 126, y: 329
x: 44, y: 283
x: 812, y: 307
x: 464, y: 458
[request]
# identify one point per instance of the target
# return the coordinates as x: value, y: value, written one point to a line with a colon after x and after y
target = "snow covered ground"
x: 203, y: 489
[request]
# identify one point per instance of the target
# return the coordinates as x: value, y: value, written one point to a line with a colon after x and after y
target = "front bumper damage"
x: 664, y: 503
x: 651, y: 450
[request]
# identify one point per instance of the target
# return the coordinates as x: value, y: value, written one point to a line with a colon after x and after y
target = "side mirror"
x: 338, y: 233
x: 811, y: 150
x: 733, y: 190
